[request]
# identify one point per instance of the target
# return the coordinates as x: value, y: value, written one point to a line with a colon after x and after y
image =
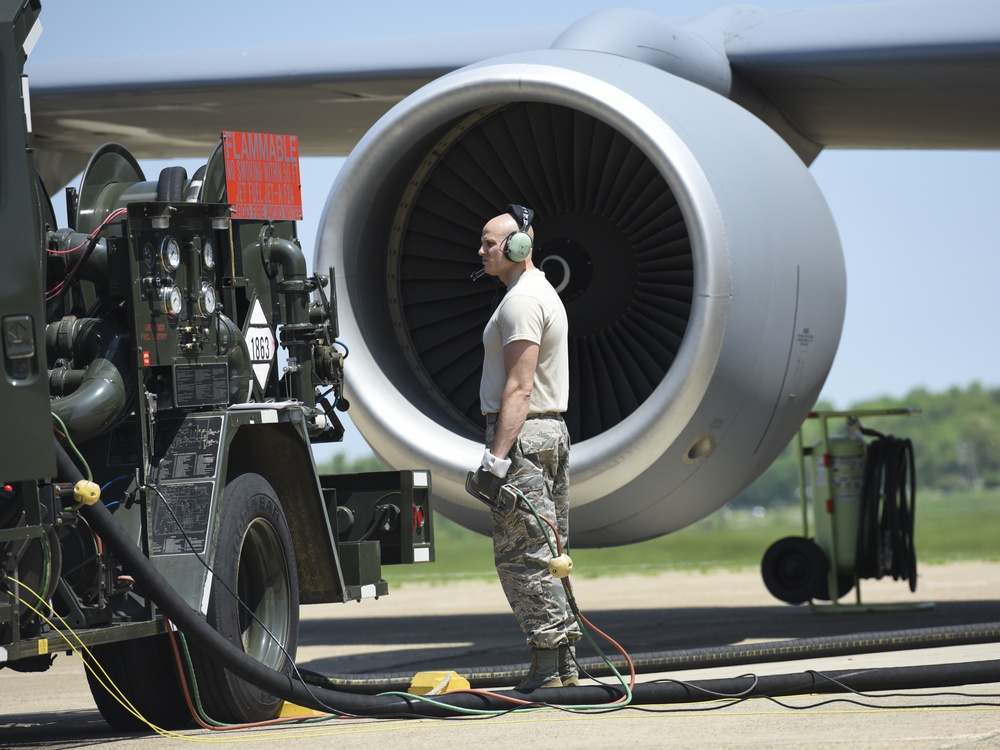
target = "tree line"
x: 956, y: 442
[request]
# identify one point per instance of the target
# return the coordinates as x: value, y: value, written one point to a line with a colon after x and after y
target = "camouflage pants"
x: 540, y: 470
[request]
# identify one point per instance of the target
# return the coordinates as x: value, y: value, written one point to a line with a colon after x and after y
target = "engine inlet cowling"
x: 699, y: 264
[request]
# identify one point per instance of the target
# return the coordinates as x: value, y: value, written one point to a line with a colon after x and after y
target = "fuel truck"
x: 169, y: 357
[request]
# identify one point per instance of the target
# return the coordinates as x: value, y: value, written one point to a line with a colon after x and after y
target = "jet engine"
x: 698, y: 261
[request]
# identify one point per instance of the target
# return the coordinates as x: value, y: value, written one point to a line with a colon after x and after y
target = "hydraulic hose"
x: 319, y: 698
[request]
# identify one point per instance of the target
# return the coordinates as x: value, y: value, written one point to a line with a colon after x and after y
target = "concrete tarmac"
x: 457, y: 625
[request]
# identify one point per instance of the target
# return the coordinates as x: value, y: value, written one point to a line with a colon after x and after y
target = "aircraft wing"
x: 853, y: 76
x: 175, y: 105
x: 919, y: 74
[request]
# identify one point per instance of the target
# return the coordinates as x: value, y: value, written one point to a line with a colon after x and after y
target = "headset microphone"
x: 477, y: 275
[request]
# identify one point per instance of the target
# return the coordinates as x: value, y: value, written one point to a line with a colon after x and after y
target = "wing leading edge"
x: 918, y: 74
x: 911, y: 74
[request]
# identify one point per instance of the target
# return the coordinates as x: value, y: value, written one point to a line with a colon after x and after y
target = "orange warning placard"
x: 262, y: 175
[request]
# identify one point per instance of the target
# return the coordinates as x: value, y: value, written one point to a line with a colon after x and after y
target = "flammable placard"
x: 262, y: 175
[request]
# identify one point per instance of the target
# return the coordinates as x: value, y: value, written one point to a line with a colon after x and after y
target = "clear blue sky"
x: 919, y: 228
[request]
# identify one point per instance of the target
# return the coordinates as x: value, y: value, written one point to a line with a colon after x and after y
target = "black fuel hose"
x: 194, y: 627
x: 772, y: 686
x: 697, y: 658
x: 103, y: 523
x: 761, y: 686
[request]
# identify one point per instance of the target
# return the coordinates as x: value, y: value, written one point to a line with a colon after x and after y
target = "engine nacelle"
x: 699, y: 263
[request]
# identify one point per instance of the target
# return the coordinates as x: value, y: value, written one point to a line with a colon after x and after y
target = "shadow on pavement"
x: 456, y: 641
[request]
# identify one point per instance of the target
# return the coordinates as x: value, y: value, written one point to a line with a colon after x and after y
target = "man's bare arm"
x: 520, y: 359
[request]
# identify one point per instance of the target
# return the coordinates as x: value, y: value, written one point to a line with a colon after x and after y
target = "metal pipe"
x: 105, y: 393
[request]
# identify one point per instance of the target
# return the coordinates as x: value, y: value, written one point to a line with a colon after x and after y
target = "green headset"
x: 518, y: 244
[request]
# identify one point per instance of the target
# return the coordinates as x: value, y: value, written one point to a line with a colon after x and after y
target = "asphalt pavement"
x: 742, y: 641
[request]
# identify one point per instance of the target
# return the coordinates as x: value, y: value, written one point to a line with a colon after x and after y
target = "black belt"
x: 491, y: 417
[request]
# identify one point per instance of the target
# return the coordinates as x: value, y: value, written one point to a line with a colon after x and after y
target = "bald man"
x: 523, y: 393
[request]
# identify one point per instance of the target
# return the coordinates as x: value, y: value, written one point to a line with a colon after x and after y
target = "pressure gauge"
x: 207, y: 254
x: 207, y: 301
x: 170, y: 253
x: 173, y: 301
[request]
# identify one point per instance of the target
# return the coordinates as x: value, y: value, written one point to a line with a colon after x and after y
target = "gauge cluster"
x: 177, y: 302
x: 179, y: 275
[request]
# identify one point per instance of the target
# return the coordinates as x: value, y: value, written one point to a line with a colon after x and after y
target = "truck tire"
x: 143, y: 669
x: 255, y: 561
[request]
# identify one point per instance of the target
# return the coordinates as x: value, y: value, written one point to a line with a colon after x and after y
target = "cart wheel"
x: 795, y: 569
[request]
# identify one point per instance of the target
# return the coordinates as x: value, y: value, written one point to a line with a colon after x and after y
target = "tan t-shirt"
x: 530, y: 311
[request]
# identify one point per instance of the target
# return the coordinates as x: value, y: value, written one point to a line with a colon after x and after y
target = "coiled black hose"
x: 888, y: 503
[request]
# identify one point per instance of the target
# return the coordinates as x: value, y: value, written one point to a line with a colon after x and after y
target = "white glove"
x: 496, y: 466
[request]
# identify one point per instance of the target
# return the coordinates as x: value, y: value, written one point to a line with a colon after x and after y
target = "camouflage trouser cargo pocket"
x: 540, y: 470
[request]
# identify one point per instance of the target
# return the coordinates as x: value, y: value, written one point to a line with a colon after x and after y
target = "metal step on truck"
x: 167, y: 362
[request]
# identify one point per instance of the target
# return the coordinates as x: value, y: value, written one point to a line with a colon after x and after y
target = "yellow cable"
x: 108, y: 684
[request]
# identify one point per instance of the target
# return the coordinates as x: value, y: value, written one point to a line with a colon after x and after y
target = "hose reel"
x: 864, y: 497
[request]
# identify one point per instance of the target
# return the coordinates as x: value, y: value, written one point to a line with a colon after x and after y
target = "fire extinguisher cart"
x: 855, y: 488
